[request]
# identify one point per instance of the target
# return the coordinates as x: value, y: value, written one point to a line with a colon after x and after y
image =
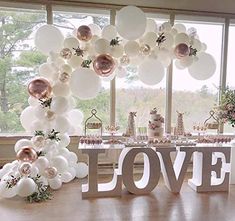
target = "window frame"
x: 210, y: 17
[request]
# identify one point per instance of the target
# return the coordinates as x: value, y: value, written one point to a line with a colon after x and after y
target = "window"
x: 193, y: 97
x: 133, y: 95
x: 18, y: 63
x: 68, y: 20
x: 230, y: 69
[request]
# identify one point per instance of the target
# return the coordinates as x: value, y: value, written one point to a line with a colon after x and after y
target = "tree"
x: 15, y: 29
x: 204, y: 91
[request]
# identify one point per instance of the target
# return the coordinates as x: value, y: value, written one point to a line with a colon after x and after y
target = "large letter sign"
x: 93, y: 189
x: 158, y: 160
x: 202, y: 180
x: 151, y: 173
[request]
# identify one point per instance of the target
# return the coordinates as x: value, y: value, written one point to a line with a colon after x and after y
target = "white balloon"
x: 117, y: 51
x: 131, y: 22
x: 72, y: 102
x: 41, y: 163
x: 178, y: 65
x: 61, y: 89
x: 3, y: 172
x: 192, y: 32
x: 52, y: 57
x: 75, y: 117
x: 27, y: 117
x: 55, y: 183
x: 95, y: 29
x: 204, y: 68
x: 94, y: 39
x: 109, y: 32
x: 121, y: 72
x: 38, y: 125
x: 25, y: 187
x: 163, y: 54
x: 48, y: 38
x: 22, y: 143
x: 59, y: 105
x: 79, y: 130
x: 72, y: 171
x: 63, y: 151
x: 66, y: 177
x: 132, y: 48
x: 81, y: 170
x: 137, y: 60
x: 60, y: 163
x: 75, y: 61
x: 34, y: 171
x: 58, y: 63
x: 204, y: 47
x: 151, y: 72
x: 71, y: 131
x: 72, y: 157
x: 186, y: 61
x: 71, y: 42
x: 39, y: 112
x: 168, y: 43
x: 46, y: 70
x: 51, y: 144
x: 62, y: 124
x: 166, y: 62
x: 6, y: 192
x: 181, y: 38
x: 102, y: 46
x: 173, y: 32
x: 180, y: 28
x: 197, y: 44
x: 150, y: 39
x: 85, y: 84
x: 64, y: 140
x: 33, y: 102
x: 151, y: 25
x: 91, y: 52
x: 8, y: 166
x: 110, y: 77
x: 165, y: 27
x: 66, y: 68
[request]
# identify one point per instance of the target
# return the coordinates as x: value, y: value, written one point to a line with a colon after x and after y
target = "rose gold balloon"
x: 84, y: 33
x: 50, y: 172
x: 64, y: 77
x: 104, y: 65
x: 66, y: 53
x: 39, y: 88
x: 25, y: 168
x: 27, y: 154
x: 181, y: 50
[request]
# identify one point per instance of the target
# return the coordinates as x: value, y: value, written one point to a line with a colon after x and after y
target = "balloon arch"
x: 76, y: 66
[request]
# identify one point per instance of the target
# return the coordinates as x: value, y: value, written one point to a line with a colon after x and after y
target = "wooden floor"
x: 160, y: 205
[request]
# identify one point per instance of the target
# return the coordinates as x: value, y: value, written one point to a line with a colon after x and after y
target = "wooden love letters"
x: 209, y: 170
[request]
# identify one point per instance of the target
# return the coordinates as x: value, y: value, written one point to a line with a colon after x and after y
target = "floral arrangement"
x: 226, y: 110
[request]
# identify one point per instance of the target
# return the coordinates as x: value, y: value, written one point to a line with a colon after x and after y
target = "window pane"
x: 19, y: 62
x: 230, y: 69
x: 133, y: 95
x: 193, y: 97
x: 68, y: 22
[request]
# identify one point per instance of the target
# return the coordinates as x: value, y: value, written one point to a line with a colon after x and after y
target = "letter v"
x: 174, y: 175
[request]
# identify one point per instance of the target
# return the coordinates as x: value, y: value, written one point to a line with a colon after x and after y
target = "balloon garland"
x: 76, y: 66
